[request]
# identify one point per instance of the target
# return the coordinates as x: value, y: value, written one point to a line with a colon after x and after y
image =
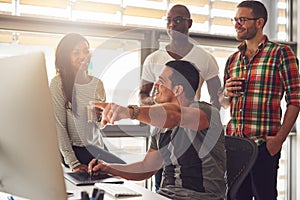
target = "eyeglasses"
x: 176, y: 20
x: 242, y: 20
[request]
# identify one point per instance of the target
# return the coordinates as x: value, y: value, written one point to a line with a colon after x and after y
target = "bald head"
x: 181, y: 9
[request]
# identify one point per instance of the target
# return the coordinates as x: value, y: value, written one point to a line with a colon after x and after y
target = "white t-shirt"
x: 203, y: 60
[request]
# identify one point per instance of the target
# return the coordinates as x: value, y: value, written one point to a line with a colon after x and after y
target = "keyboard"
x: 84, y: 178
x: 117, y: 190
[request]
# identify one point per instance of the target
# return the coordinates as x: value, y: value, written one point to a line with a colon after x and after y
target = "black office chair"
x: 241, y: 155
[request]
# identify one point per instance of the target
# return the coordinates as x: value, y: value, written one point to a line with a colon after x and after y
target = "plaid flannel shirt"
x: 272, y: 72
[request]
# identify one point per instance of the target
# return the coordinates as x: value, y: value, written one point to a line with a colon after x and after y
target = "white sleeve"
x: 212, y: 68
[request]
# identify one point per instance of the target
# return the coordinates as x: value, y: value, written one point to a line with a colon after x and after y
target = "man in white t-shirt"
x: 179, y: 48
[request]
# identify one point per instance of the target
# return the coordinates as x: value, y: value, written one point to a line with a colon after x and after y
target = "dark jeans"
x: 261, y: 182
x: 86, y: 154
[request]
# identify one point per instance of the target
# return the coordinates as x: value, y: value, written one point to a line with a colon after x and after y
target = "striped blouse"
x: 73, y: 130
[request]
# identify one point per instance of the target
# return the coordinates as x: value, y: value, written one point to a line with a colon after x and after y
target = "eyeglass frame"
x: 242, y: 20
x: 176, y: 20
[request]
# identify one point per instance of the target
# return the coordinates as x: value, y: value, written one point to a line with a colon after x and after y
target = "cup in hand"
x: 93, y: 114
x: 242, y: 85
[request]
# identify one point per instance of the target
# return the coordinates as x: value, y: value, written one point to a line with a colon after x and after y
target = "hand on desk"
x: 80, y: 168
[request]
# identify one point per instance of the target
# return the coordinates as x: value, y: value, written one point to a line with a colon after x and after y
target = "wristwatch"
x: 136, y: 111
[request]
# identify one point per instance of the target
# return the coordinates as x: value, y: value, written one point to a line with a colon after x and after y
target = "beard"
x: 250, y: 34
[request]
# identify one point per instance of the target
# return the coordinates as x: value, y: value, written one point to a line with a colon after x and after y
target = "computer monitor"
x: 30, y: 164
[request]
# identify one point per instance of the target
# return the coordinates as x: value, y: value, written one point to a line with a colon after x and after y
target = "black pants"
x: 261, y: 182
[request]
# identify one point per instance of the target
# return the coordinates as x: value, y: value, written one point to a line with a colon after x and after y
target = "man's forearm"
x: 160, y: 115
x: 134, y: 171
x: 214, y: 85
x: 289, y: 120
x: 169, y: 115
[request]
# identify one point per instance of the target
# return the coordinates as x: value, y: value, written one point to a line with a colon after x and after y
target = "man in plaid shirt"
x: 269, y: 71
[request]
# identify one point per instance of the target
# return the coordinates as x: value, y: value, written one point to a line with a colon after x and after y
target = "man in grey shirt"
x: 188, y: 141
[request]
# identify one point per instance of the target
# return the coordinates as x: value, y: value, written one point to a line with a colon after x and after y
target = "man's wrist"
x: 135, y: 111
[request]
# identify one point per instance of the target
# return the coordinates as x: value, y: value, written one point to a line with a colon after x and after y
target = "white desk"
x: 146, y: 194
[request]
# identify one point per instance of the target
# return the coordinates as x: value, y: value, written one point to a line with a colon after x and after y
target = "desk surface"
x: 76, y: 190
x: 146, y: 194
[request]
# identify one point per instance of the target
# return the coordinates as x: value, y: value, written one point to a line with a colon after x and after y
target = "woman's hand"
x: 80, y: 168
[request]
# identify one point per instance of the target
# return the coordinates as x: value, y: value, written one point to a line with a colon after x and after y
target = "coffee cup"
x: 242, y: 85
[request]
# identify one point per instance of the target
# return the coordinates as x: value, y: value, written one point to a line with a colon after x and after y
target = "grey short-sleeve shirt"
x: 194, y: 160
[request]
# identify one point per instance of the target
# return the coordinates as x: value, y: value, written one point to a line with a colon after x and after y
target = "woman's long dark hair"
x: 65, y: 69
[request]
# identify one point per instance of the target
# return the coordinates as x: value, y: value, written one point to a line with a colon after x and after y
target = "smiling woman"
x: 72, y: 89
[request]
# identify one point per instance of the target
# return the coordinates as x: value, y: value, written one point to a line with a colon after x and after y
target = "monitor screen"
x: 30, y: 164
